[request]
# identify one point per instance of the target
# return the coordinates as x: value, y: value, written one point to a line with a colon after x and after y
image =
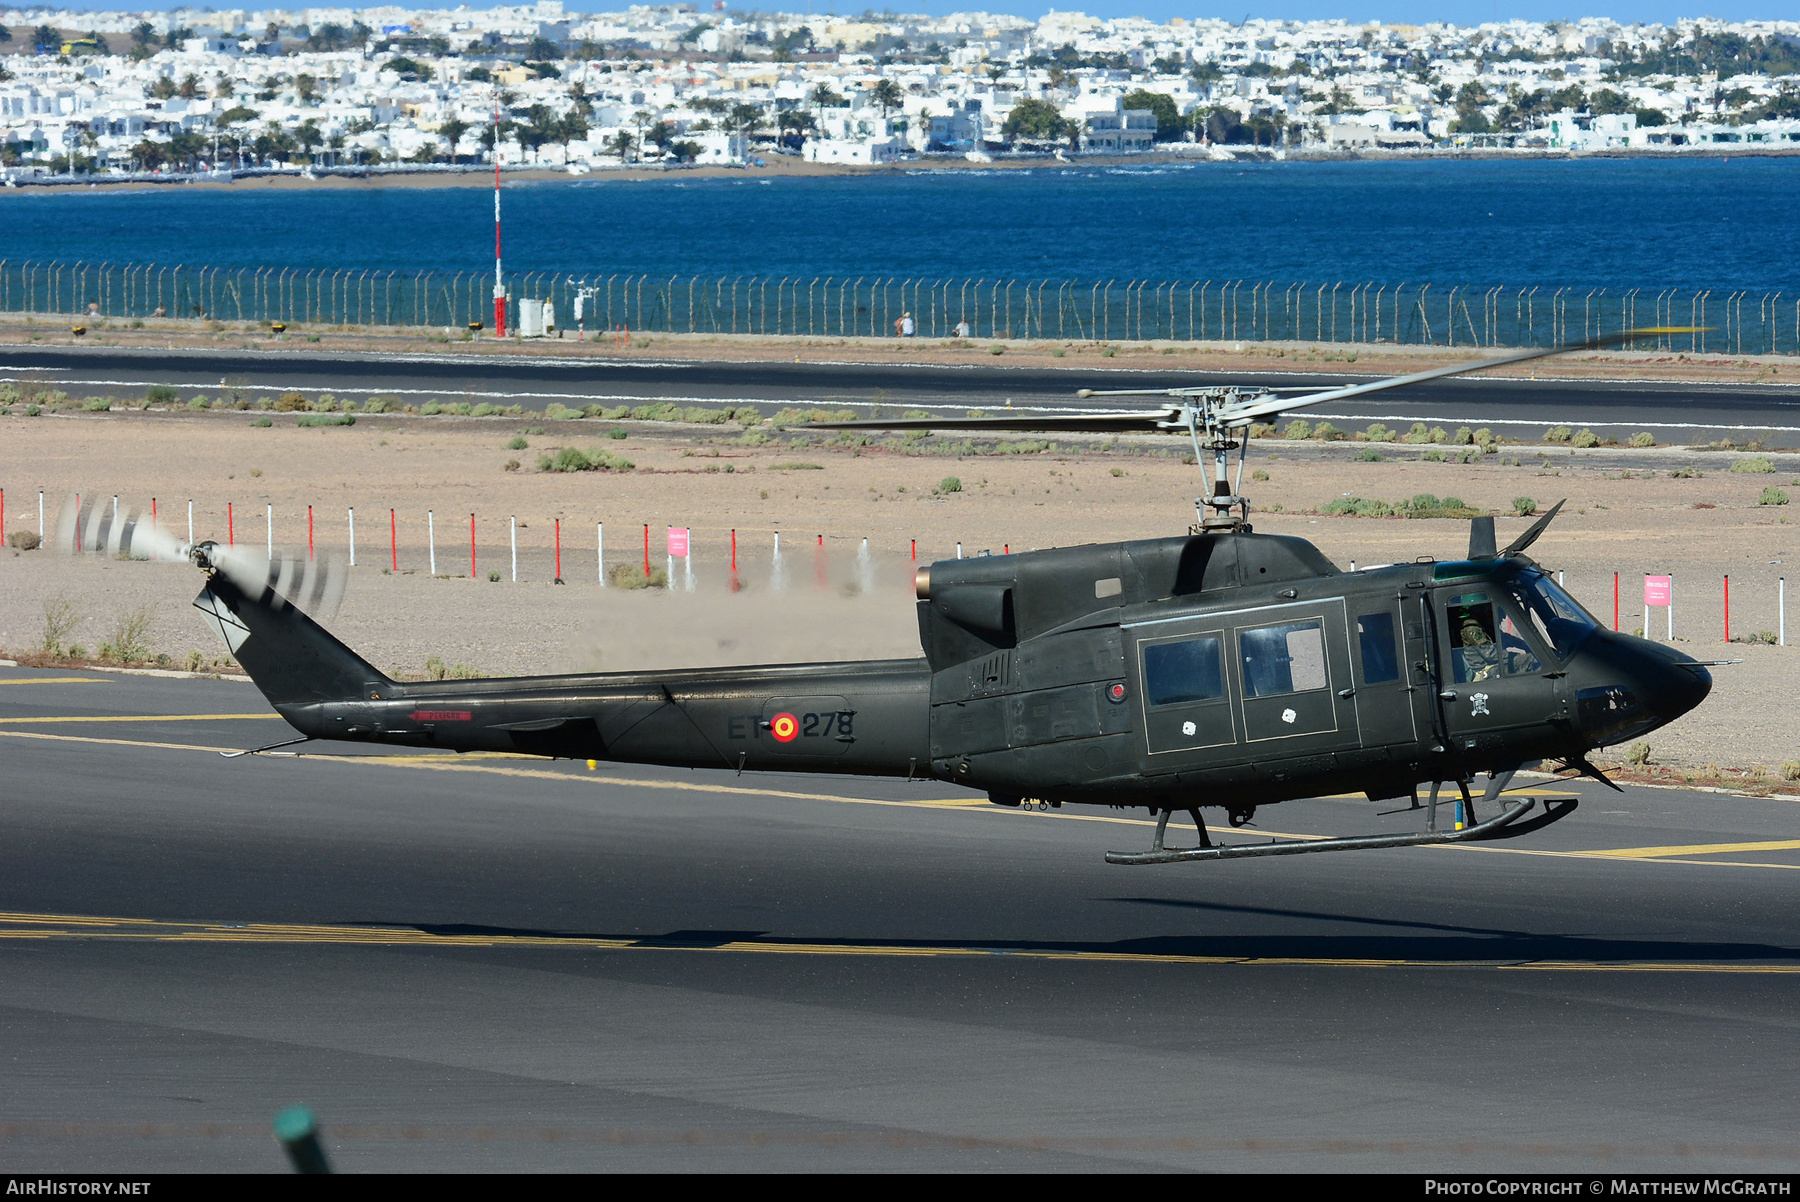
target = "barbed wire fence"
x: 1740, y: 321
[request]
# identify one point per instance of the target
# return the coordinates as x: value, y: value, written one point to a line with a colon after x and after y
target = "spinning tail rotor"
x: 120, y: 531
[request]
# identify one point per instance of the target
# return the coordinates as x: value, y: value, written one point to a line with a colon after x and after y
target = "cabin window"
x: 1289, y: 658
x: 1190, y: 670
x: 1380, y: 662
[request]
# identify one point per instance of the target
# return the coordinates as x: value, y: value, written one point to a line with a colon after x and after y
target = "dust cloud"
x: 804, y: 609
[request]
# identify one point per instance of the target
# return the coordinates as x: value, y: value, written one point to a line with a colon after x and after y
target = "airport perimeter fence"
x: 1409, y: 313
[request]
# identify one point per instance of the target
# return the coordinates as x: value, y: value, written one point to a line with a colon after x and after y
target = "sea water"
x: 1596, y: 223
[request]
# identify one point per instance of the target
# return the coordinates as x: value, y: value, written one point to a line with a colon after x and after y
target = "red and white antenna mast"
x: 499, y: 285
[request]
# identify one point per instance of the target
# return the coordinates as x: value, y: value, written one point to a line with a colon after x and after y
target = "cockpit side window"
x: 1516, y: 654
x: 1474, y: 641
x: 1557, y: 615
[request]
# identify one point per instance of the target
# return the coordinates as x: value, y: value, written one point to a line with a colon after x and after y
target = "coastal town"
x: 217, y: 93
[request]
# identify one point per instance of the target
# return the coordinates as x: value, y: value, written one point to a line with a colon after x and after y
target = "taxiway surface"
x: 1674, y: 412
x: 496, y: 963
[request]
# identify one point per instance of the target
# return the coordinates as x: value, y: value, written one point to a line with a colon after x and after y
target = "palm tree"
x: 621, y: 145
x: 573, y: 124
x: 307, y: 137
x: 452, y: 132
x: 888, y: 96
x: 148, y: 154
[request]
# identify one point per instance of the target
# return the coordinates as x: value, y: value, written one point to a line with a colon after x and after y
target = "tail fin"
x: 292, y: 658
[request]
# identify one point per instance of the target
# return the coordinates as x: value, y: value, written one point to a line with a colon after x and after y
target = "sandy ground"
x: 1085, y: 358
x: 1626, y: 514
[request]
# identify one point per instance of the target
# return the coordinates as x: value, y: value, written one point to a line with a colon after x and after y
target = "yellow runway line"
x: 56, y: 680
x: 145, y: 718
x: 1695, y: 849
x: 25, y: 926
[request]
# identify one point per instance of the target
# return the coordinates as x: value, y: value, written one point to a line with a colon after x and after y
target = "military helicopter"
x: 1219, y: 669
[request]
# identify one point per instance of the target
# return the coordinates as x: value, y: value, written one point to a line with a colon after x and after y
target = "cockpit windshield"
x: 1558, y: 616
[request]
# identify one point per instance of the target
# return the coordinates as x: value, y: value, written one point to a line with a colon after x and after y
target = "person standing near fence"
x: 907, y: 328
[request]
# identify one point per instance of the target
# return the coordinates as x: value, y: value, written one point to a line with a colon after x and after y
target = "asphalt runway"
x: 498, y: 963
x: 1674, y: 412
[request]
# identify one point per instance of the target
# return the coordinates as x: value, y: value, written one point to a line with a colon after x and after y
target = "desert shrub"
x: 196, y: 404
x: 1463, y: 437
x: 1438, y: 435
x: 193, y: 660
x: 100, y: 404
x: 1326, y: 432
x: 461, y: 409
x: 511, y: 465
x: 1772, y: 496
x: 1298, y: 428
x: 1417, y: 434
x: 493, y: 578
x: 949, y: 484
x: 62, y: 614
x: 1370, y: 455
x: 631, y: 576
x: 556, y: 411
x: 573, y: 459
x: 1586, y: 438
x: 1790, y: 770
x: 1524, y: 506
x: 1484, y: 438
x: 377, y: 404
x: 327, y: 419
x: 517, y: 444
x: 291, y: 402
x: 1684, y: 473
x: 483, y: 410
x: 262, y: 421
x: 618, y: 433
x: 1644, y: 439
x: 34, y: 410
x: 161, y: 394
x: 1258, y: 475
x: 1358, y: 507
x: 1756, y: 465
x: 127, y: 641
x: 532, y: 430
x: 434, y: 668
x: 1639, y: 754
x: 464, y: 671
x: 1262, y: 430
x: 26, y: 540
x: 430, y: 409
x: 1558, y: 434
x: 1433, y: 456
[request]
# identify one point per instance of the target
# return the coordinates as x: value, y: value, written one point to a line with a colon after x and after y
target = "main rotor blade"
x: 1244, y: 414
x: 1150, y: 421
x: 1241, y: 413
x: 1518, y: 545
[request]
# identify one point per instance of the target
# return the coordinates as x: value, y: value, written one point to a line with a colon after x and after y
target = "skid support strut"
x: 1501, y: 826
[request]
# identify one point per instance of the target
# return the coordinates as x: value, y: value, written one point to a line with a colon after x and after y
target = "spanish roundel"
x: 785, y: 727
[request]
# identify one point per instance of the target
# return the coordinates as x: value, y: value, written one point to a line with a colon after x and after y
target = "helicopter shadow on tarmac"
x: 1434, y: 943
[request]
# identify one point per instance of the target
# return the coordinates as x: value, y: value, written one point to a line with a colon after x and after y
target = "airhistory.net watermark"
x: 1609, y: 1187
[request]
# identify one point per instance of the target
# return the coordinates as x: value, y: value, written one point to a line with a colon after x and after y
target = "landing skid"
x: 1501, y: 826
